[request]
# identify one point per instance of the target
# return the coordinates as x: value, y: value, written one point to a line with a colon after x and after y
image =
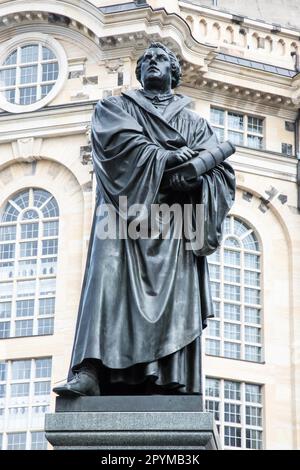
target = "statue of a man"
x: 145, y: 301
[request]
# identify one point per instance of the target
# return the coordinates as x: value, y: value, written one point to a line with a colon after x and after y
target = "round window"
x: 30, y: 74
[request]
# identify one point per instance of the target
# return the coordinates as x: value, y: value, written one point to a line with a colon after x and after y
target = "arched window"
x: 28, y: 259
x: 235, y: 274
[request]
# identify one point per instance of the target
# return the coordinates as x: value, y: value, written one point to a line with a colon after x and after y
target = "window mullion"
x: 39, y: 73
x: 245, y: 119
x: 18, y: 76
x: 243, y: 415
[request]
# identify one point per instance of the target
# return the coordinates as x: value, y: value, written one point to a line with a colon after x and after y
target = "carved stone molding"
x: 27, y: 149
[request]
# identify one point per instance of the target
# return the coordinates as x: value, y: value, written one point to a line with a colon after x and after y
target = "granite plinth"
x: 131, y: 423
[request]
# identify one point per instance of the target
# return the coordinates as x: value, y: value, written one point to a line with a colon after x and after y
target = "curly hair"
x: 175, y: 66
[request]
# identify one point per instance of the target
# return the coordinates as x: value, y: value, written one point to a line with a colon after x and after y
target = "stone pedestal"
x: 131, y: 423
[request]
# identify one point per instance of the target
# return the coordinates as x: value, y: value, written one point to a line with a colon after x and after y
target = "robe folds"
x: 144, y: 302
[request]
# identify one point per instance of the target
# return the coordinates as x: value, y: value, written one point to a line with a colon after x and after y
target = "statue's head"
x: 157, y: 62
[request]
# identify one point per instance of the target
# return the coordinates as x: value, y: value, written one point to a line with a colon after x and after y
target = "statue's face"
x: 155, y: 67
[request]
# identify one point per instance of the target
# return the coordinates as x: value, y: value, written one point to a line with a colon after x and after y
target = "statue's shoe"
x: 82, y: 384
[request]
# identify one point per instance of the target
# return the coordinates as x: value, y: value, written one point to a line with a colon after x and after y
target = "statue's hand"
x: 177, y: 157
x: 179, y: 183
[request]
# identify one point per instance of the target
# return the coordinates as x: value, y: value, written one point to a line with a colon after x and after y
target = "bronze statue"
x: 145, y: 301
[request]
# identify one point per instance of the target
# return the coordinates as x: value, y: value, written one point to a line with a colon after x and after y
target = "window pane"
x: 43, y: 367
x: 255, y: 125
x: 232, y: 390
x: 25, y: 289
x: 22, y: 199
x: 28, y: 249
x: 217, y: 116
x: 50, y: 209
x: 3, y: 369
x: 215, y: 257
x: 8, y: 232
x: 8, y: 77
x: 252, y: 315
x: 2, y: 390
x: 232, y: 274
x: 232, y: 257
x: 27, y: 268
x: 30, y: 230
x: 25, y: 308
x: 236, y: 138
x: 212, y: 387
x: 29, y: 53
x: 6, y: 290
x: 50, y: 229
x: 252, y: 261
x: 252, y: 296
x: 231, y: 242
x: 47, y: 54
x: 232, y: 350
x: 16, y: 441
x: 213, y: 407
x: 38, y: 441
x: 239, y: 228
x: 29, y: 74
x: 21, y: 369
x: 232, y: 331
x: 48, y: 266
x: 253, y: 393
x: 10, y: 213
x: 213, y: 347
x: 214, y: 271
x: 6, y: 270
x: 232, y: 413
x: 50, y: 247
x: 10, y: 95
x: 4, y: 329
x: 30, y: 215
x: 232, y: 292
x: 11, y: 59
x: 232, y: 312
x: 232, y: 436
x: 253, y: 439
x: 215, y: 289
x: 5, y: 309
x: 252, y: 278
x: 45, y: 89
x: 252, y: 334
x: 252, y: 353
x: 253, y: 416
x: 47, y: 286
x: 28, y: 95
x: 251, y: 243
x: 217, y: 308
x: 255, y: 141
x: 40, y: 196
x: 235, y: 121
x: 24, y: 327
x: 7, y: 251
x: 42, y: 388
x: 45, y: 326
x: 220, y: 133
x: 47, y: 306
x: 50, y: 72
x: 19, y: 390
x: 213, y: 328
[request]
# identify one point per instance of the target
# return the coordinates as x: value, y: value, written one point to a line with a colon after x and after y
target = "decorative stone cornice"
x: 238, y: 92
x: 135, y: 27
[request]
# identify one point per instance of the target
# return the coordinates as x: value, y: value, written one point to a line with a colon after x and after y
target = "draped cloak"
x: 144, y: 302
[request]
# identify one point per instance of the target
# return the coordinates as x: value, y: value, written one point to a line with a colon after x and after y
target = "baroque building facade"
x: 57, y: 59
